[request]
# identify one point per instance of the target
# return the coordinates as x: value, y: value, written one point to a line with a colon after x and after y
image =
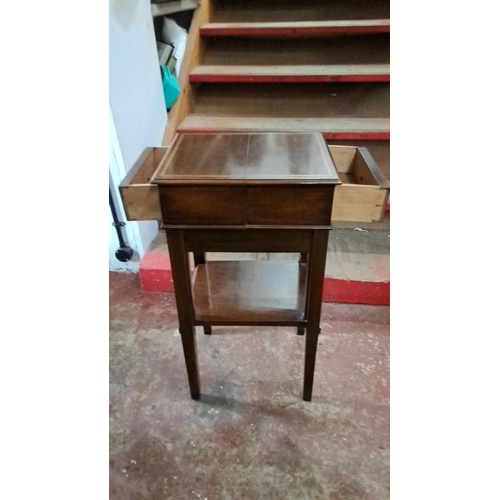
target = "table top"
x: 253, y: 158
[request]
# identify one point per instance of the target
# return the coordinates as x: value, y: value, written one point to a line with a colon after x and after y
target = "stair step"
x: 331, y: 128
x: 262, y: 11
x: 293, y: 100
x: 292, y: 74
x: 300, y: 28
x: 272, y: 51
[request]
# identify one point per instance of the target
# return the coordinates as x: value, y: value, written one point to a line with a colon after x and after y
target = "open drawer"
x: 363, y: 194
x: 140, y: 198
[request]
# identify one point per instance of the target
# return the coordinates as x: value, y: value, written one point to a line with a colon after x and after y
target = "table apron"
x: 249, y: 240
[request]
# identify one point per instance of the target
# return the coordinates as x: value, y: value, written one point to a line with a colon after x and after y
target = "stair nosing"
x: 296, y: 28
x: 291, y: 73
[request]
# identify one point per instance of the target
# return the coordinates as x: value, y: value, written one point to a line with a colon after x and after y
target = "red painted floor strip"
x: 356, y: 292
x: 155, y: 272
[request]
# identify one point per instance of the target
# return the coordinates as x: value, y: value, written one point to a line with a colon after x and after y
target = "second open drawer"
x: 363, y: 194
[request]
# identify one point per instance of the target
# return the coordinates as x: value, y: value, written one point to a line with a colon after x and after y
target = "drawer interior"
x: 356, y: 166
x: 363, y: 195
x: 140, y: 198
x: 147, y: 169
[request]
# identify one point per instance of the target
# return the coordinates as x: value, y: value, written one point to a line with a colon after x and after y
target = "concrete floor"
x: 250, y: 436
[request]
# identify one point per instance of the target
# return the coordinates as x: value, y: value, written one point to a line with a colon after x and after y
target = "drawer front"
x: 358, y: 203
x: 140, y: 199
x: 141, y: 202
x: 203, y: 205
x: 289, y: 205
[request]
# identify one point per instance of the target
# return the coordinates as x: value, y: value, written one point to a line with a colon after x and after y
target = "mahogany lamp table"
x: 253, y: 192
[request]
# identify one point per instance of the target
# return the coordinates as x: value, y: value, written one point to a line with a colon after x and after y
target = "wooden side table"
x: 262, y: 192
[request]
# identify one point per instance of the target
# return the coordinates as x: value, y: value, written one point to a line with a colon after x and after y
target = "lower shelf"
x: 249, y: 292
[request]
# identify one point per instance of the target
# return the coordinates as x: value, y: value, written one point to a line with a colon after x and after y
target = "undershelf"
x: 248, y: 292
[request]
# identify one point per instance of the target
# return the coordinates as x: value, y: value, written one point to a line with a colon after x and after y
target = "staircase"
x: 290, y: 65
x: 293, y: 65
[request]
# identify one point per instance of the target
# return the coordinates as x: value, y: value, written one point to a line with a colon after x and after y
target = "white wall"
x: 131, y: 230
x: 137, y: 108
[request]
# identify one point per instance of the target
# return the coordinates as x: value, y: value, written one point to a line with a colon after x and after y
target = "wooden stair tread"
x: 305, y: 51
x: 293, y: 100
x: 331, y: 128
x: 296, y: 28
x: 291, y: 73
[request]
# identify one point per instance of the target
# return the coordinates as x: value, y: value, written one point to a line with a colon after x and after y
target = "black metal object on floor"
x: 124, y: 253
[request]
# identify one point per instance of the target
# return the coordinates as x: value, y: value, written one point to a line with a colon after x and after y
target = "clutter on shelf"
x: 171, y: 88
x: 171, y: 47
x: 166, y: 55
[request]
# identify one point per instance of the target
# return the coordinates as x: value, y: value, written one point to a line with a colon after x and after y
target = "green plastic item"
x: 171, y: 89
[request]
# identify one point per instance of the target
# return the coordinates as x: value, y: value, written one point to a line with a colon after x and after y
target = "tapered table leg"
x: 200, y: 258
x: 303, y: 260
x: 182, y: 286
x: 316, y: 272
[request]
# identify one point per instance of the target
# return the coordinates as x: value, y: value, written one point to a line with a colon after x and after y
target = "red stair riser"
x: 224, y: 78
